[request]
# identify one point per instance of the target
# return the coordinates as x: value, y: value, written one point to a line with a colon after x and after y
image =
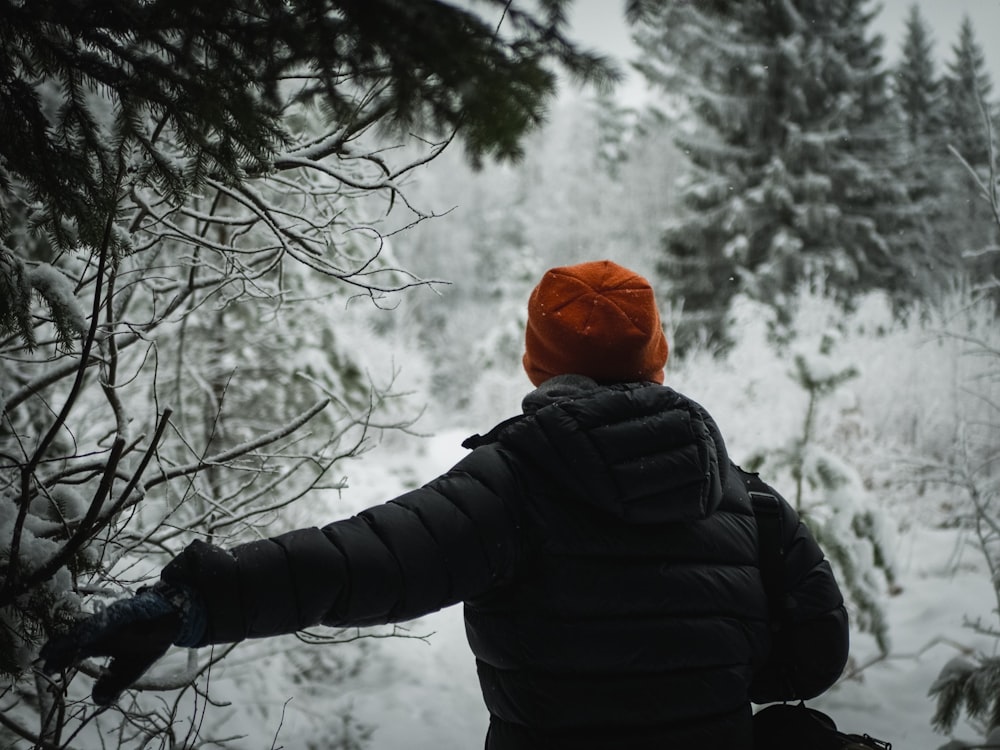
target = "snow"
x: 736, y: 247
x: 59, y: 504
x: 58, y: 292
x: 941, y: 581
x: 956, y: 668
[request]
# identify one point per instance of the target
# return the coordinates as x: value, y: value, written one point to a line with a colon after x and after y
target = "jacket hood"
x: 640, y: 451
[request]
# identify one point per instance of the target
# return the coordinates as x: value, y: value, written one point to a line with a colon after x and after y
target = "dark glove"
x: 133, y: 632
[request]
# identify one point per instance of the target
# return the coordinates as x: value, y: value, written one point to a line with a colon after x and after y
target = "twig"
x: 939, y: 640
x: 24, y: 733
x: 242, y: 449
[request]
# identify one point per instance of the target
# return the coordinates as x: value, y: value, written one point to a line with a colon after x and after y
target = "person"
x: 603, y: 544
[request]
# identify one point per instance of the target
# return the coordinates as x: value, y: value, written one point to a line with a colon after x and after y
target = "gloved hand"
x: 133, y: 632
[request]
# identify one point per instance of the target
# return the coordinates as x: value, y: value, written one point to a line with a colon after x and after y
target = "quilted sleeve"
x: 448, y: 541
x: 808, y: 654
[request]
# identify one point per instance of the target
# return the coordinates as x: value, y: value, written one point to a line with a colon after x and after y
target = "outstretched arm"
x: 438, y: 545
x: 445, y: 542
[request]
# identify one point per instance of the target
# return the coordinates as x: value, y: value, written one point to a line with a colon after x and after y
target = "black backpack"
x: 789, y: 726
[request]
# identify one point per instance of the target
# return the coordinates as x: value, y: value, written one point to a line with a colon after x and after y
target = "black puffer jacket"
x: 605, y: 548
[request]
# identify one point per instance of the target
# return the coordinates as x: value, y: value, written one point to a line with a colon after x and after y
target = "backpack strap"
x: 770, y: 555
x: 770, y: 549
x: 478, y: 441
x: 771, y: 561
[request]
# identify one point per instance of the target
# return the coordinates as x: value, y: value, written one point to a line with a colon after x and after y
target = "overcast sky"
x: 600, y: 25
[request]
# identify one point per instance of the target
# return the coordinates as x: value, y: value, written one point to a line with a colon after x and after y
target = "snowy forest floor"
x: 424, y: 694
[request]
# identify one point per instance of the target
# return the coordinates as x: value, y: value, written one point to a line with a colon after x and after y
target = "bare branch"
x: 11, y: 581
x: 27, y: 734
x: 242, y: 449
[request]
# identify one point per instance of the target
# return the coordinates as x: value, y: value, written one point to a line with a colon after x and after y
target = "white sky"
x: 600, y: 25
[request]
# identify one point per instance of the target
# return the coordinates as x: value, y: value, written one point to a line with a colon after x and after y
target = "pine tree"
x: 924, y: 156
x: 917, y: 86
x: 967, y: 89
x: 790, y: 146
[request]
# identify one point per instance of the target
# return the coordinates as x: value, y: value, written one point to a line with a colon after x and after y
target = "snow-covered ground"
x: 943, y: 581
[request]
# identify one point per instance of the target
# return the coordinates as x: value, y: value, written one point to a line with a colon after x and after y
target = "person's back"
x: 636, y: 617
x: 603, y: 543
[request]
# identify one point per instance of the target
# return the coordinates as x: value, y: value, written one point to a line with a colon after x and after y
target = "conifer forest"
x: 264, y: 264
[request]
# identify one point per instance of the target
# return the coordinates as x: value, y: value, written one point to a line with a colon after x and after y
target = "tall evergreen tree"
x: 790, y: 148
x: 924, y: 156
x: 967, y: 89
x: 917, y: 86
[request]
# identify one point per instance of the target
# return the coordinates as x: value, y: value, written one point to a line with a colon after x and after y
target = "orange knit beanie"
x: 596, y: 319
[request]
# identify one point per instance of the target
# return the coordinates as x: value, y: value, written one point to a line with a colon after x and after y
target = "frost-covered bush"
x: 829, y: 493
x: 972, y: 469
